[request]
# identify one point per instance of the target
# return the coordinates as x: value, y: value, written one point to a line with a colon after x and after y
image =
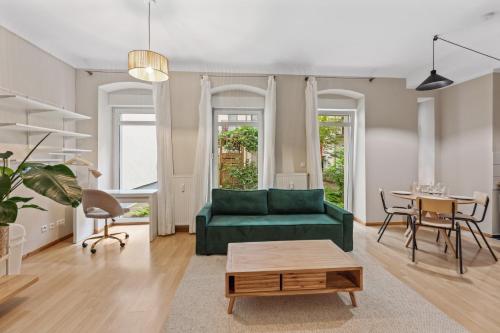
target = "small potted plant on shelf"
x: 56, y: 182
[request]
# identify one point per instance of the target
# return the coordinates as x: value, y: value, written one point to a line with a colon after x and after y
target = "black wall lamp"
x: 436, y: 81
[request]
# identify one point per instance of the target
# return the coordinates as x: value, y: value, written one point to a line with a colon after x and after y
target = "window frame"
x: 117, y: 135
x: 215, y: 143
x: 349, y: 148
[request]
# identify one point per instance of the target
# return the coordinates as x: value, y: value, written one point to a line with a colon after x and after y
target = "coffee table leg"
x: 231, y: 304
x: 353, y: 299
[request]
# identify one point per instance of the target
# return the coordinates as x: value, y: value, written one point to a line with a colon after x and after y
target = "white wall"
x: 465, y: 139
x: 426, y: 141
x: 29, y: 71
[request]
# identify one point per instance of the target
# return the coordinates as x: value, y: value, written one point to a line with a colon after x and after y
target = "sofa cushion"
x: 223, y: 230
x: 234, y: 202
x: 295, y: 201
x: 270, y: 220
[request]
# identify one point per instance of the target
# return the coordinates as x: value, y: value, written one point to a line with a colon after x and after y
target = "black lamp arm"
x: 437, y: 37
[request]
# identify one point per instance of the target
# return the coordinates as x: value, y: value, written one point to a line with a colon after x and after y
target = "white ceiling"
x: 383, y: 38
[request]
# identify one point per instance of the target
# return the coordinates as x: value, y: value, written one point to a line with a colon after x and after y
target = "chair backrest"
x: 437, y: 206
x: 481, y: 199
x: 382, y: 197
x: 102, y: 200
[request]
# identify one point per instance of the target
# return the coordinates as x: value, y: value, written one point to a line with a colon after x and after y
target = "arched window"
x: 237, y: 136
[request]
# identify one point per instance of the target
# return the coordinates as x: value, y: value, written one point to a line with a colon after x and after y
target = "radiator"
x: 293, y: 181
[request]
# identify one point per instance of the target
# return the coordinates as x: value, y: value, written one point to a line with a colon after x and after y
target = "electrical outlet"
x: 52, y: 226
x: 61, y: 222
x: 45, y: 228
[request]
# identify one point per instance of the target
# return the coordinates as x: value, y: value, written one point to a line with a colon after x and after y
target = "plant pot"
x: 4, y: 240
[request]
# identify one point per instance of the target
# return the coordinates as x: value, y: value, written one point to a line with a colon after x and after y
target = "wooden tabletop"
x: 10, y: 285
x: 287, y: 256
x: 414, y: 196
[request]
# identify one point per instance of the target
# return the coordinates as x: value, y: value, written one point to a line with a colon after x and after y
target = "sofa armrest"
x: 202, y: 219
x: 347, y: 220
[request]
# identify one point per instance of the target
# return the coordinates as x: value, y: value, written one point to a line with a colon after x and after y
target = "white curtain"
x: 203, y: 157
x: 268, y: 165
x: 312, y: 135
x: 165, y: 168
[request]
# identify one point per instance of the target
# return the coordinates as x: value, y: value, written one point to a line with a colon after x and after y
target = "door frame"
x: 260, y: 148
x: 349, y: 148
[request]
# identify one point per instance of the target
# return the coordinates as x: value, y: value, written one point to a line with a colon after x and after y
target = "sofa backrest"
x: 295, y: 201
x: 263, y: 202
x: 235, y: 202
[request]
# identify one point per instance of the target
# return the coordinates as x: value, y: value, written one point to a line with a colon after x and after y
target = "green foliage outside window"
x: 333, y: 177
x: 139, y: 211
x: 243, y: 177
x: 242, y: 137
x: 246, y: 177
x: 332, y: 148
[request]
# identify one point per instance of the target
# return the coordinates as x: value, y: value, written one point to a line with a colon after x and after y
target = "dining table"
x: 413, y: 196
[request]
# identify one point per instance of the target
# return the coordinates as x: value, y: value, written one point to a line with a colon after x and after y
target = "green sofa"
x: 270, y: 215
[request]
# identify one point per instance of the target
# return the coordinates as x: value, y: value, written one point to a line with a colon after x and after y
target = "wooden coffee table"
x: 290, y: 268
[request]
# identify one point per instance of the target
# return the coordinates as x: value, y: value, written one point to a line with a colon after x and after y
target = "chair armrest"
x: 202, y: 220
x: 347, y: 223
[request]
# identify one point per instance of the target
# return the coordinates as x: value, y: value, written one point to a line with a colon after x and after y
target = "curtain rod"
x: 370, y: 79
x: 221, y: 75
x: 91, y: 72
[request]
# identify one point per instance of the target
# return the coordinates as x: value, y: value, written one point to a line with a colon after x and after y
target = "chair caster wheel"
x: 84, y: 245
x: 126, y: 236
x: 122, y: 244
x: 93, y: 250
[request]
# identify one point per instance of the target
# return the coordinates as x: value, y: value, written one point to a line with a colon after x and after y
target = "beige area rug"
x: 385, y: 305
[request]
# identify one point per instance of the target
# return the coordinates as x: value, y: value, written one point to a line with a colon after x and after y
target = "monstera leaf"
x: 5, y: 184
x: 55, y: 182
x: 8, y: 212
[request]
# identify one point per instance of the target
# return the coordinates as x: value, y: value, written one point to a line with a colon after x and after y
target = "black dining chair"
x: 483, y: 200
x: 438, y: 214
x: 391, y: 212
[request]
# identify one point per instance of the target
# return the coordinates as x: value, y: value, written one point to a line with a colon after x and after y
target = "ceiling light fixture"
x: 436, y: 81
x: 147, y: 65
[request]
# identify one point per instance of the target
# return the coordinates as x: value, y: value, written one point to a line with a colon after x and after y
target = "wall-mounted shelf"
x: 75, y: 150
x: 69, y: 152
x: 46, y: 160
x: 54, y: 149
x: 41, y: 160
x: 31, y: 117
x: 37, y: 130
x: 22, y: 103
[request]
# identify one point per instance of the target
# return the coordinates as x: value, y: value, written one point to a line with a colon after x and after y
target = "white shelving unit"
x: 17, y: 102
x: 37, y: 130
x: 33, y: 108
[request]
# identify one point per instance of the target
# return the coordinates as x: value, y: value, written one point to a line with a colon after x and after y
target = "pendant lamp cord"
x: 436, y: 37
x: 433, y: 46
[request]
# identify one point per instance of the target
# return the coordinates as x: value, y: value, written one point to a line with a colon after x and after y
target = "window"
x: 237, y: 148
x: 135, y: 148
x: 336, y: 142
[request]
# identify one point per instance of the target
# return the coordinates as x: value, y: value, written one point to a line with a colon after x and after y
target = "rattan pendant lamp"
x: 147, y: 65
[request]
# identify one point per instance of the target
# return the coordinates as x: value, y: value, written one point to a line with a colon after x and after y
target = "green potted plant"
x: 56, y: 182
